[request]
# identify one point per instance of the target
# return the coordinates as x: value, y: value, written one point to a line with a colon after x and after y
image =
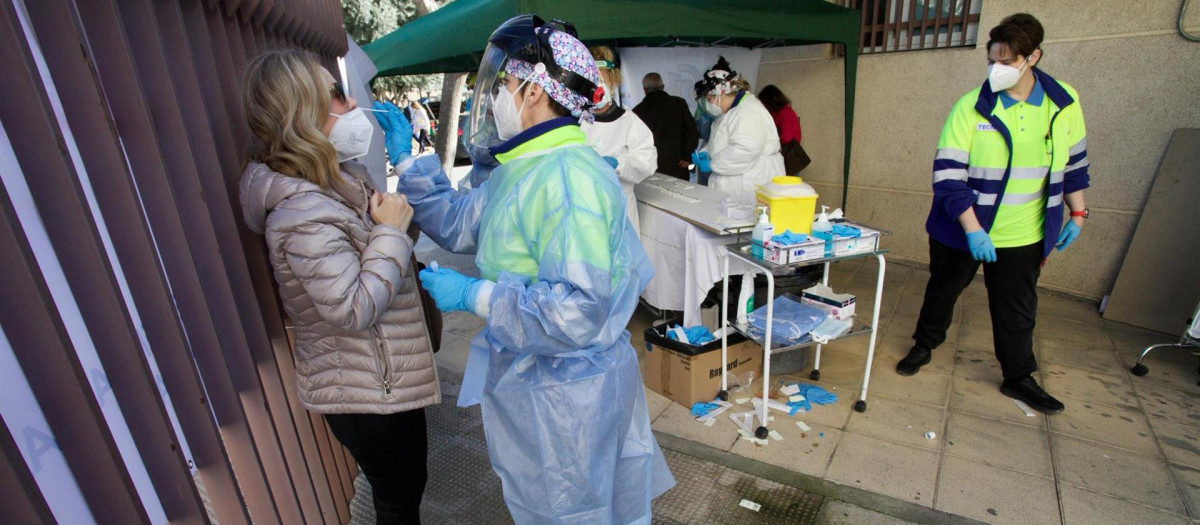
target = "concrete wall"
x: 1137, y: 80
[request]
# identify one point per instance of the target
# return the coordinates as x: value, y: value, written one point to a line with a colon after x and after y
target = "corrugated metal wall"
x: 125, y: 121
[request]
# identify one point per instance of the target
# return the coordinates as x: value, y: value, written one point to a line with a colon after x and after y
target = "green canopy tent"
x: 452, y: 39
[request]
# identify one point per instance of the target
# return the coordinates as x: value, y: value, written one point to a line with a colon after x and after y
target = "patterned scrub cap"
x: 570, y: 54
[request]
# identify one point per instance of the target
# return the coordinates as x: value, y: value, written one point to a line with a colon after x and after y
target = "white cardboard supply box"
x: 840, y: 305
x: 867, y: 242
x: 810, y: 249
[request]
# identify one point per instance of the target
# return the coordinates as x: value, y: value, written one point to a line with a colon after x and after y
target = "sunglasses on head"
x: 337, y: 91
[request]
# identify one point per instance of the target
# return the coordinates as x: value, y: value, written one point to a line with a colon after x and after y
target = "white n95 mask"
x: 1002, y: 77
x: 506, y: 113
x: 351, y: 134
x: 713, y: 108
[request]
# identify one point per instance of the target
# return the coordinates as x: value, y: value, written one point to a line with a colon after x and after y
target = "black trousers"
x: 391, y: 451
x: 1012, y: 300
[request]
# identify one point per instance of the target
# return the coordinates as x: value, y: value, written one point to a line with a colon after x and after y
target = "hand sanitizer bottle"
x: 763, y: 231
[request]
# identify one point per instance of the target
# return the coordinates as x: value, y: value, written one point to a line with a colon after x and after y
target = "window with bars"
x: 907, y: 25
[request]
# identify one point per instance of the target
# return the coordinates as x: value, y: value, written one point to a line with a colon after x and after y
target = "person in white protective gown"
x: 564, y: 412
x: 620, y: 136
x: 743, y: 150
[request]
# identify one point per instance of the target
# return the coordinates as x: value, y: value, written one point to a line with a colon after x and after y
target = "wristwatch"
x: 1083, y: 213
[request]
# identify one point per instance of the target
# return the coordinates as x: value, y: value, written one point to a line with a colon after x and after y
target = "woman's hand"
x: 391, y: 209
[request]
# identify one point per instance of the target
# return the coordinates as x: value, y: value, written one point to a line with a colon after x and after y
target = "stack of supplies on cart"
x: 792, y: 322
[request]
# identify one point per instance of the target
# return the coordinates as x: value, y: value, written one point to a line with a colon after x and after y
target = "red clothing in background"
x: 788, y: 125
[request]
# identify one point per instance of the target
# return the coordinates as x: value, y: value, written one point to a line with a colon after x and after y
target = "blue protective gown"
x: 564, y: 412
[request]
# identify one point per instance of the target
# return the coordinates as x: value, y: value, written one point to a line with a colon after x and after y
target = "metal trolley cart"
x: 741, y: 251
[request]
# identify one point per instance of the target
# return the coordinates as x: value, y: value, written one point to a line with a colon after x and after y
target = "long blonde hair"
x: 611, y: 76
x: 286, y: 102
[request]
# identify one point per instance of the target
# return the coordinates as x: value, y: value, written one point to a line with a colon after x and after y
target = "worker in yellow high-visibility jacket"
x: 1012, y: 152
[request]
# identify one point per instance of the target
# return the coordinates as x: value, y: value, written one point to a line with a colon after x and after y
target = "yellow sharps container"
x: 792, y: 203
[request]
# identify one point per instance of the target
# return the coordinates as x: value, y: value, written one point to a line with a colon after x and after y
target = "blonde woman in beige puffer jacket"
x: 342, y: 256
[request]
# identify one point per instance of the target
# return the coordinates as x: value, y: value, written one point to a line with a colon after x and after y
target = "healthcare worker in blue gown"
x: 564, y: 412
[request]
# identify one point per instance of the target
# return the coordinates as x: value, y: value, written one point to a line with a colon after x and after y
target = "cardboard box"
x: 687, y: 374
x: 812, y: 248
x: 867, y: 242
x: 840, y: 306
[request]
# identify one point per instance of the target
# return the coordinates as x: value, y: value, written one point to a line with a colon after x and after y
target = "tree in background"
x: 367, y: 20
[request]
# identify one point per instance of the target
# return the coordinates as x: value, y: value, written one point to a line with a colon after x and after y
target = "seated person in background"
x: 671, y: 123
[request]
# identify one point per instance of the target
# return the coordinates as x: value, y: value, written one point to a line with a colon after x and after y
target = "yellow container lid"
x: 787, y: 186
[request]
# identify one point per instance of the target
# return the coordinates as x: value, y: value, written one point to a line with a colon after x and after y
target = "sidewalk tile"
x: 462, y: 324
x: 1102, y: 468
x: 900, y: 422
x: 978, y: 315
x: 1069, y: 308
x: 678, y: 421
x: 886, y: 468
x: 1082, y: 385
x: 1082, y: 507
x: 656, y: 403
x: 910, y: 303
x: 806, y: 452
x: 835, y: 512
x: 994, y: 495
x: 1092, y: 359
x: 976, y: 337
x: 1180, y: 440
x: 1170, y: 403
x: 928, y: 386
x: 1189, y: 479
x: 977, y: 365
x: 453, y: 353
x: 997, y: 443
x: 1119, y: 427
x: 984, y: 399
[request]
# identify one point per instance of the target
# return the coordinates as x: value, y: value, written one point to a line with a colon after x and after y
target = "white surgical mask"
x: 713, y: 108
x: 506, y: 112
x: 1002, y: 77
x: 351, y: 134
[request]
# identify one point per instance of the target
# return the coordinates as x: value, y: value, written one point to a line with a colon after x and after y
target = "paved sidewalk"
x: 1126, y: 450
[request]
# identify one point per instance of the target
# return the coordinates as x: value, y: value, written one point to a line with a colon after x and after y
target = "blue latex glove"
x: 788, y: 238
x: 612, y: 161
x: 816, y: 394
x: 701, y: 409
x: 841, y: 230
x: 981, y: 246
x: 697, y: 335
x: 1069, y: 233
x: 397, y: 134
x: 702, y: 161
x: 451, y: 290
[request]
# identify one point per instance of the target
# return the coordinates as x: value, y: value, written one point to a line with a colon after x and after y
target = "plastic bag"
x: 793, y: 321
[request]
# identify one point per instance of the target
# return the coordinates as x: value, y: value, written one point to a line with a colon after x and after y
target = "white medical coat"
x: 744, y: 148
x: 630, y: 141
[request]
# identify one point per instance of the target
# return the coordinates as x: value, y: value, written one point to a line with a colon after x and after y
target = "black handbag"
x: 795, y: 158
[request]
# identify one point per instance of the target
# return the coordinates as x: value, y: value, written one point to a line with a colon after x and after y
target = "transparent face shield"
x: 481, y: 125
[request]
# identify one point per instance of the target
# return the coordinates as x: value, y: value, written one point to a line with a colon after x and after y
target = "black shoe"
x: 912, y: 363
x: 1027, y: 390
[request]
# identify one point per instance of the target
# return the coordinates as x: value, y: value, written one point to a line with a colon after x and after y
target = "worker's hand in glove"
x: 1070, y: 231
x: 612, y: 161
x: 450, y: 289
x: 702, y: 161
x: 981, y: 246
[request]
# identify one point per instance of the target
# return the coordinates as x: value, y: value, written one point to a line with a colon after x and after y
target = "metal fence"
x: 121, y: 243
x: 905, y: 25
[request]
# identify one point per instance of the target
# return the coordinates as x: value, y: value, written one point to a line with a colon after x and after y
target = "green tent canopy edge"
x: 452, y: 39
